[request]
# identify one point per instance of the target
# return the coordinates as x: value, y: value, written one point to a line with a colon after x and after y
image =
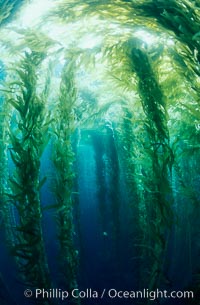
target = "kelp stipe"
x: 63, y: 158
x: 27, y: 133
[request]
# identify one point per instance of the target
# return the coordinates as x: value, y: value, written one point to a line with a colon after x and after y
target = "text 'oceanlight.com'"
x: 107, y: 293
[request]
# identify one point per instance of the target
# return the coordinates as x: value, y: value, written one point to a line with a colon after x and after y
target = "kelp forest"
x: 99, y: 152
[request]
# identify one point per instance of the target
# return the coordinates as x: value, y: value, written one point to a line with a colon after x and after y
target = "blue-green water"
x: 99, y: 152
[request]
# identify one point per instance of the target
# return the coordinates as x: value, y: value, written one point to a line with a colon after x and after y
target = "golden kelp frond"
x: 34, y: 39
x: 118, y: 11
x: 119, y: 69
x: 16, y: 41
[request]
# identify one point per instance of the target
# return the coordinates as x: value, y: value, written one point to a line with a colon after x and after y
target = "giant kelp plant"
x: 160, y: 154
x: 114, y: 84
x: 63, y: 162
x: 26, y: 136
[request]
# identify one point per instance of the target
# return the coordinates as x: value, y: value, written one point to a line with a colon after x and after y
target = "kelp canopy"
x: 127, y: 72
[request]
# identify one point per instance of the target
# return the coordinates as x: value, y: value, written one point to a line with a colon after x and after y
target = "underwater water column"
x: 4, y: 112
x: 114, y: 191
x: 63, y: 158
x: 128, y: 152
x: 159, y: 197
x: 27, y: 136
x: 108, y: 189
